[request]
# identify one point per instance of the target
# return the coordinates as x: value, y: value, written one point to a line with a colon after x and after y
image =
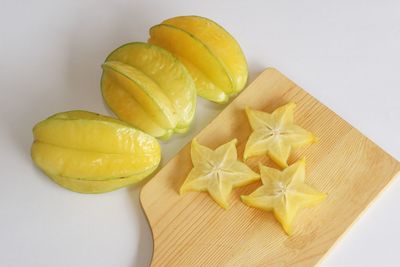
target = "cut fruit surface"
x: 284, y: 193
x: 85, y: 145
x: 186, y: 46
x: 275, y: 134
x: 167, y: 72
x: 144, y: 90
x: 220, y: 43
x: 217, y: 171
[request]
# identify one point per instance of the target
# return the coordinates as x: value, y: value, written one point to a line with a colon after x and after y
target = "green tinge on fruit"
x: 186, y: 46
x: 128, y: 109
x: 144, y: 90
x: 96, y: 187
x: 89, y: 165
x: 219, y: 42
x: 85, y: 146
x: 206, y: 88
x: 165, y: 70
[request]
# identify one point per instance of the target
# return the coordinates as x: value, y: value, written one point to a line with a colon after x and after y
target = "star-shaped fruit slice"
x: 217, y: 171
x: 275, y: 134
x: 284, y: 193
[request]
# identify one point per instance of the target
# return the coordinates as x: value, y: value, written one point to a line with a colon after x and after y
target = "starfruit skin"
x: 90, y: 153
x: 211, y: 55
x: 220, y: 43
x: 149, y: 88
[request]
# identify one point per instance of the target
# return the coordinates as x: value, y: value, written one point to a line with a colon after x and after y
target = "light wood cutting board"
x: 192, y: 230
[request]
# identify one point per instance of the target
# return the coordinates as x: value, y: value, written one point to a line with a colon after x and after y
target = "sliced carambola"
x: 217, y: 171
x: 169, y: 74
x: 275, y: 134
x: 284, y: 193
x: 92, y: 147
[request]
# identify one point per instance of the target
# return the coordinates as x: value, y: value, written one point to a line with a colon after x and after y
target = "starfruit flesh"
x: 284, y: 193
x: 217, y: 171
x: 275, y: 134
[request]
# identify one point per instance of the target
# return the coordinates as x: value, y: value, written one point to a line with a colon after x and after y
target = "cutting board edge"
x: 361, y: 214
x: 142, y: 196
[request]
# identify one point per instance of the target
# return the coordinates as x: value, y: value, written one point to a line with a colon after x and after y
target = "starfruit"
x: 284, y: 193
x: 212, y: 56
x: 147, y: 87
x: 90, y: 153
x: 275, y: 134
x: 217, y: 172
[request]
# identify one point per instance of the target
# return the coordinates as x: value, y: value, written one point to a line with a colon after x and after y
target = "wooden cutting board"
x: 192, y: 230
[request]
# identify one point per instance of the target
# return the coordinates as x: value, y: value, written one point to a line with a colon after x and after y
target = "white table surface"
x: 345, y: 53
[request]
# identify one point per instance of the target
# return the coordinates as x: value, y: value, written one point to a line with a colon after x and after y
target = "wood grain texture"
x: 192, y: 230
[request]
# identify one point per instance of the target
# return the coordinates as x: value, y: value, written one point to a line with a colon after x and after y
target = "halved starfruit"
x: 212, y: 56
x: 90, y: 153
x: 149, y: 88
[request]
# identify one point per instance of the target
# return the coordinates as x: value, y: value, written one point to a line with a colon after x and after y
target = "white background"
x: 345, y: 53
